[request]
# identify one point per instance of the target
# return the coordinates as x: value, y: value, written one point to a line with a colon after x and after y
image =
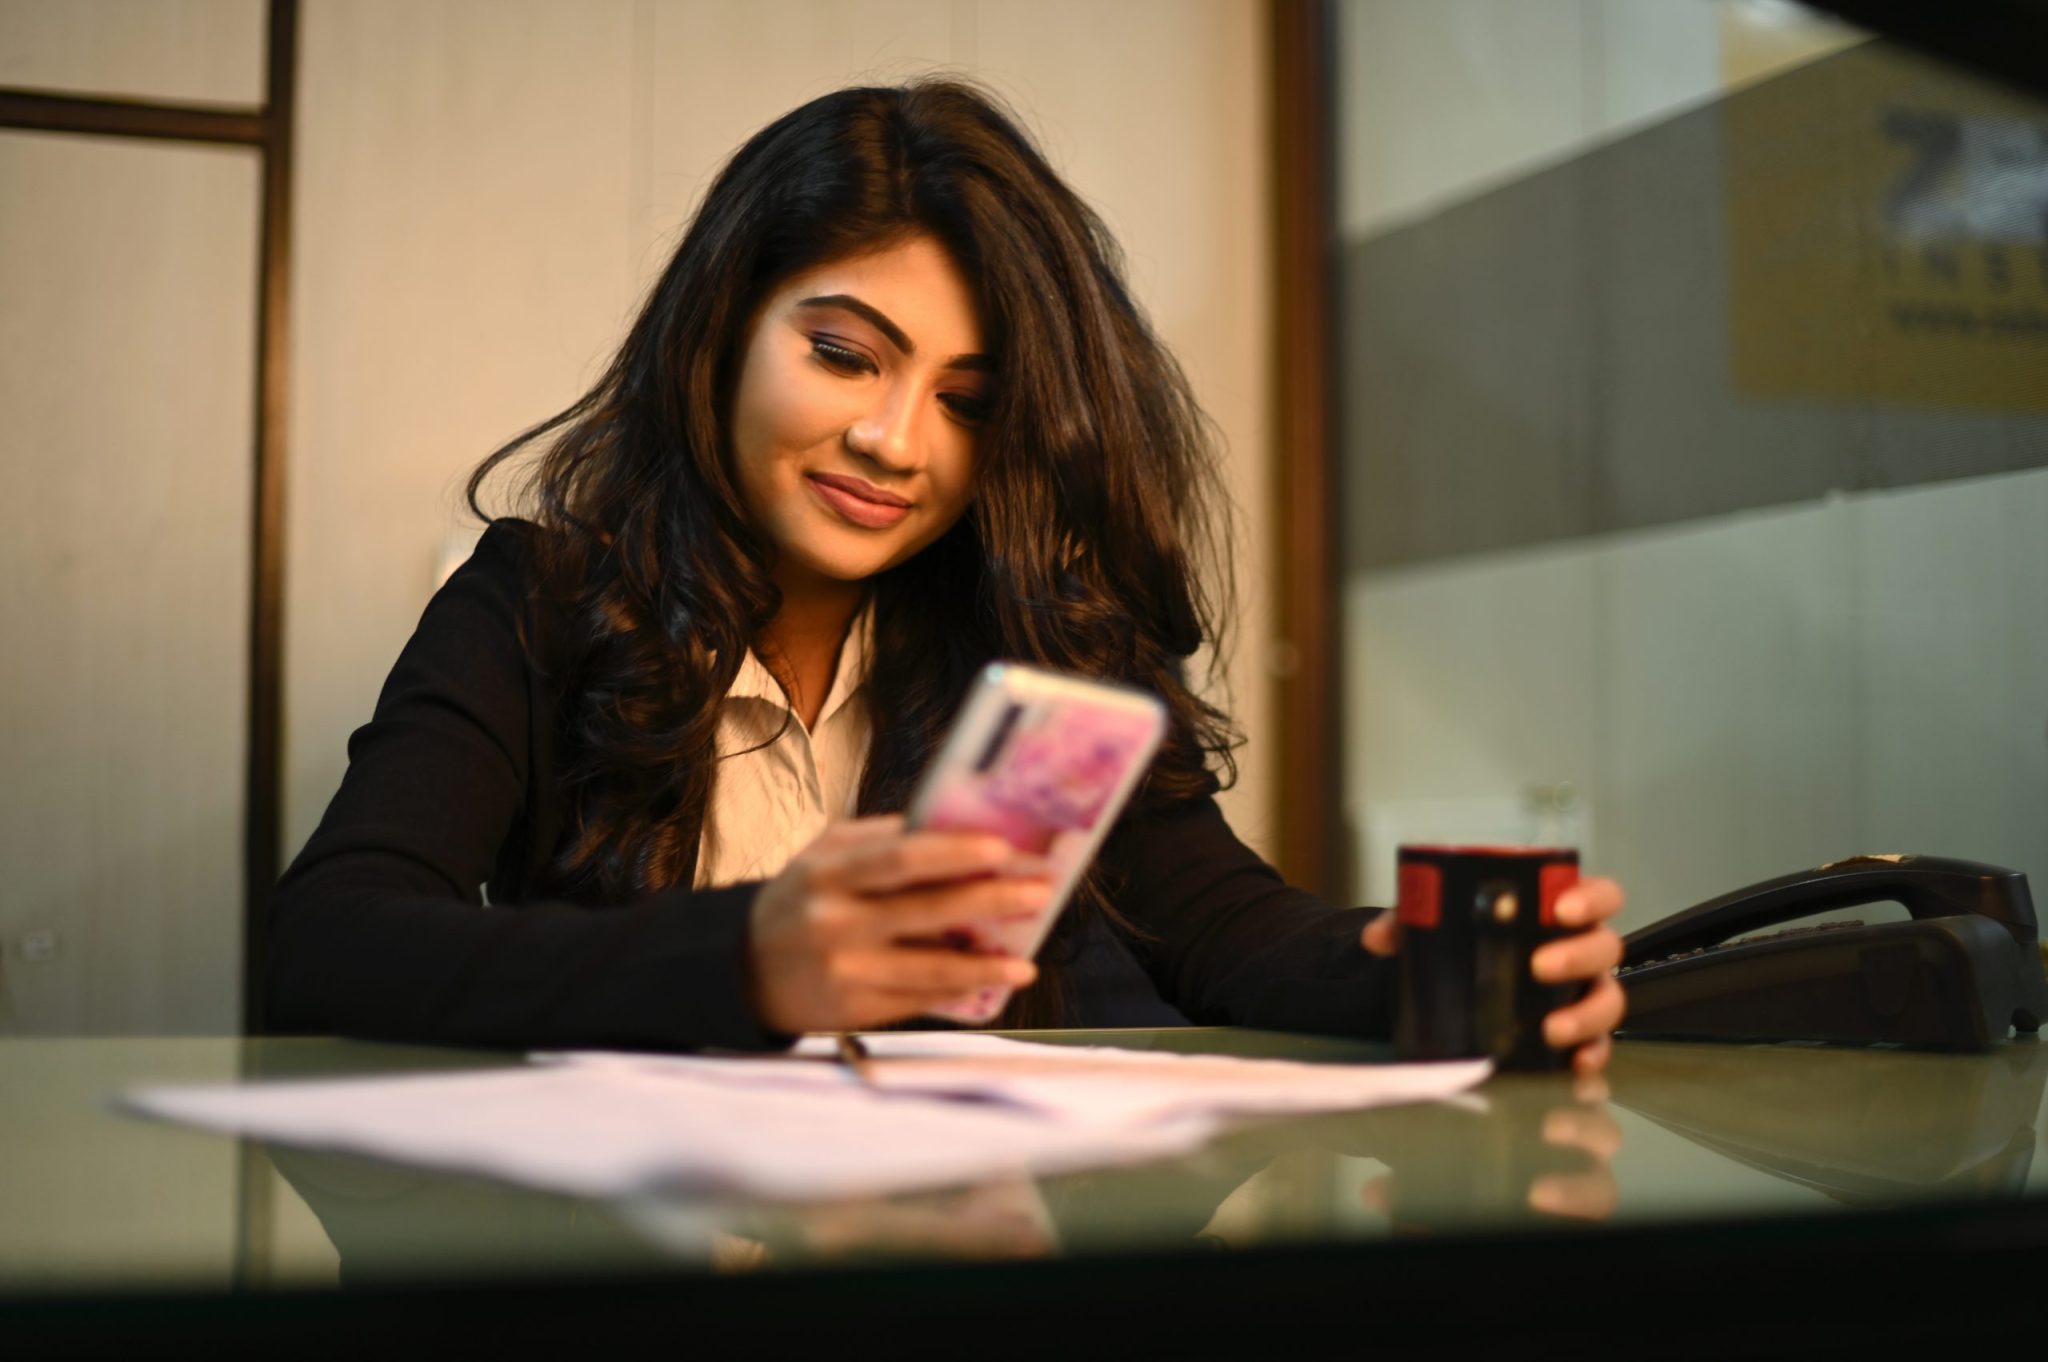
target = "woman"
x: 889, y: 412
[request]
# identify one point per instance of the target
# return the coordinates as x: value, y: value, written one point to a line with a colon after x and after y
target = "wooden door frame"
x: 1302, y: 538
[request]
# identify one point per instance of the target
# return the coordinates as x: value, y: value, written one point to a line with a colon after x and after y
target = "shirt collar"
x: 756, y: 682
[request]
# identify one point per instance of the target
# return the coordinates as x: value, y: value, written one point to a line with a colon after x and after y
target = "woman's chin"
x: 844, y: 563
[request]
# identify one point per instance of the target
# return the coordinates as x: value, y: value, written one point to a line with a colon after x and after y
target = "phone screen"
x: 1048, y: 769
x: 1046, y: 779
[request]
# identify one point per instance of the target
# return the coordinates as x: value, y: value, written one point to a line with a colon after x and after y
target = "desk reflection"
x: 1864, y: 1127
x: 1533, y: 1155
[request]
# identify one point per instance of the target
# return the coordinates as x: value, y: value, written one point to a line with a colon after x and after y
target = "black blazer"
x: 379, y: 928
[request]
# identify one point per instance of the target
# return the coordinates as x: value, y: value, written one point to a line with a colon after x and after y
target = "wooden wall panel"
x: 202, y: 51
x: 128, y: 274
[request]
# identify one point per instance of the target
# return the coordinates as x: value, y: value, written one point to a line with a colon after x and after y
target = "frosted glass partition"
x: 181, y: 51
x: 124, y: 581
x: 1694, y: 443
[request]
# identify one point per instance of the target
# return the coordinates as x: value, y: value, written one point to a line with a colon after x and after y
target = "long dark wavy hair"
x: 1096, y: 535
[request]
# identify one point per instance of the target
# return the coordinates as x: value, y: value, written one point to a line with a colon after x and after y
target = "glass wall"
x: 1694, y: 425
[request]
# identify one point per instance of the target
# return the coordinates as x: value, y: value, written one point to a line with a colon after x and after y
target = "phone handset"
x: 1927, y: 886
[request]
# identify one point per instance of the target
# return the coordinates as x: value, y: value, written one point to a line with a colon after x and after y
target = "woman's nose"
x: 888, y: 433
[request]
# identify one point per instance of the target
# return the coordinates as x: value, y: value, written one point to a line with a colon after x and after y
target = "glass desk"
x: 1744, y: 1187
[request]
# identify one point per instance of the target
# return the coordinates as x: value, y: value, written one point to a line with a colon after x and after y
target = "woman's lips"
x: 862, y: 503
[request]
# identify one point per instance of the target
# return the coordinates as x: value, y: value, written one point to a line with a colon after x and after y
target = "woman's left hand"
x: 1588, y: 954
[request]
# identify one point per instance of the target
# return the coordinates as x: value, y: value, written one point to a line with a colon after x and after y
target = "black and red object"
x: 1471, y: 917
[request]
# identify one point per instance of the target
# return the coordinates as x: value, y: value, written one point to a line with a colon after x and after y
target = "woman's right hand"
x: 834, y: 936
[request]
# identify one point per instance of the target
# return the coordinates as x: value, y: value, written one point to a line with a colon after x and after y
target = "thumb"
x: 1382, y: 935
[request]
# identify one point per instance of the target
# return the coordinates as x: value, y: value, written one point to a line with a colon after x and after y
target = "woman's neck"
x: 800, y: 646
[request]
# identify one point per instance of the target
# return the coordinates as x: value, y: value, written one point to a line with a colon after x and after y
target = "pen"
x: 854, y: 1055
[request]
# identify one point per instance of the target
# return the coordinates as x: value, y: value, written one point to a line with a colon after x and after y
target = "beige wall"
x: 484, y: 188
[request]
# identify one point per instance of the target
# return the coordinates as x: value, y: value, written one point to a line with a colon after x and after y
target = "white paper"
x: 608, y: 1131
x: 1101, y: 1087
x: 943, y: 1109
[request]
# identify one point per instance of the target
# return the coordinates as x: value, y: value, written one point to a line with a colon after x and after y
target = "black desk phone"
x: 1964, y: 970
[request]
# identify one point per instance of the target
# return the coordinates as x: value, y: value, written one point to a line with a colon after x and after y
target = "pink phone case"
x: 1047, y: 762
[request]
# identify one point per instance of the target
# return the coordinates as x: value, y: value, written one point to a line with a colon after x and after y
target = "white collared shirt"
x: 773, y: 795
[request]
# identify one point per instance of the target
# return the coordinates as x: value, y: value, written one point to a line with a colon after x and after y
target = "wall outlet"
x: 37, y: 946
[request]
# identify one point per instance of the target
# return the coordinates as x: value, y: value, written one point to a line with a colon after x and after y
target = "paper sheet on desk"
x: 1092, y: 1087
x: 612, y: 1125
x: 611, y: 1131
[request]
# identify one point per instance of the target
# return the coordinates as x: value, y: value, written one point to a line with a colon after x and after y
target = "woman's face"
x: 860, y: 394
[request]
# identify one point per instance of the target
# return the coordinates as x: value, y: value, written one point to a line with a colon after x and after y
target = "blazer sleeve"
x: 1229, y: 943
x: 379, y: 928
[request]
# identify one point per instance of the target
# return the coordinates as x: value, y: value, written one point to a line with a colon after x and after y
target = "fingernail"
x: 1558, y: 1032
x: 1019, y: 971
x: 1571, y: 910
x: 1543, y: 965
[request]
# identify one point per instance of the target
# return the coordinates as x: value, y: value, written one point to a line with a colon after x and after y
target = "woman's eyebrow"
x: 880, y: 321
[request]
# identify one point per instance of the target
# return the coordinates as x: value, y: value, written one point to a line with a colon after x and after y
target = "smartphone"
x: 1046, y: 762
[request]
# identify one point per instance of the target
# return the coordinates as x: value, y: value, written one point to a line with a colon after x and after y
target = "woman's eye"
x: 968, y: 407
x: 839, y: 357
